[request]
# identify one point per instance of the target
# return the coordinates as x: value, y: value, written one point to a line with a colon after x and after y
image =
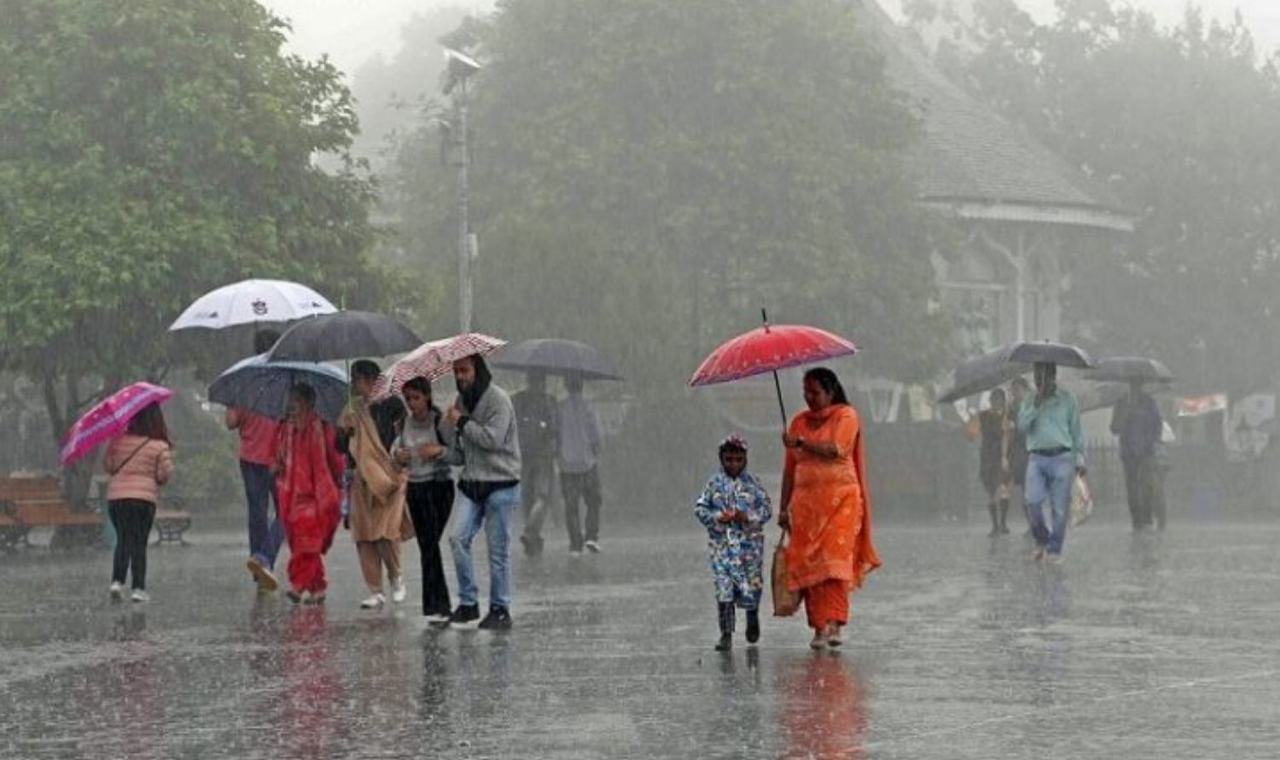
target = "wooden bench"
x: 37, y: 501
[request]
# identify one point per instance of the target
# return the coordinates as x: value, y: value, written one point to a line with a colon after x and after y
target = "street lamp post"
x: 460, y: 68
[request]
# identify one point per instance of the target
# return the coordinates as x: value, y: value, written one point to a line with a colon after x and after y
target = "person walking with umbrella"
x: 485, y: 424
x: 1136, y: 420
x: 991, y: 428
x: 258, y: 434
x: 580, y: 439
x: 826, y: 506
x: 1051, y: 422
x: 378, y: 517
x: 425, y: 451
x: 536, y: 413
x: 138, y: 462
x: 309, y: 471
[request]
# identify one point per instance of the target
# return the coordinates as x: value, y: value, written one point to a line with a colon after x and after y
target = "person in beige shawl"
x: 379, y: 518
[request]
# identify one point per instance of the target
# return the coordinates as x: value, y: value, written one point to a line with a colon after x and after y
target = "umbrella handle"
x: 777, y: 386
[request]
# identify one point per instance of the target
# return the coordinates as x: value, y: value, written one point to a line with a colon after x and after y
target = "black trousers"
x: 132, y: 519
x: 430, y: 504
x: 575, y: 487
x: 1138, y: 482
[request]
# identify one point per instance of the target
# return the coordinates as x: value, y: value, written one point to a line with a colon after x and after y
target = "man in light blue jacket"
x: 1050, y: 420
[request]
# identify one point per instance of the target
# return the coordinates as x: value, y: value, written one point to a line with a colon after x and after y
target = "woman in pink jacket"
x: 139, y: 463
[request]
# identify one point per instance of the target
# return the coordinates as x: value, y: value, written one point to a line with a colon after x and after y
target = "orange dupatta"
x: 830, y: 504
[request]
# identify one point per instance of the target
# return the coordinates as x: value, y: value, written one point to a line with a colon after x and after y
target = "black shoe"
x: 725, y: 643
x: 753, y: 626
x: 498, y: 619
x: 294, y: 596
x: 465, y: 614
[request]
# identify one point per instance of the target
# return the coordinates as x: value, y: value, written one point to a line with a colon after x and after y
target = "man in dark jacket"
x: 536, y: 423
x: 1136, y: 419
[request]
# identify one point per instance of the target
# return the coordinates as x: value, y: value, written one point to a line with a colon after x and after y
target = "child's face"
x: 734, y: 462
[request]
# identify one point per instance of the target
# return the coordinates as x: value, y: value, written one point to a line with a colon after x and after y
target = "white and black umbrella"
x: 252, y: 302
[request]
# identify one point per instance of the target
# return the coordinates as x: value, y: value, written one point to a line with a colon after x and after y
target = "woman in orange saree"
x: 826, y: 506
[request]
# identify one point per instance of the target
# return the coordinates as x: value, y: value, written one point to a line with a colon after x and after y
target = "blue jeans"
x: 1049, y: 479
x: 494, y: 514
x: 265, y: 536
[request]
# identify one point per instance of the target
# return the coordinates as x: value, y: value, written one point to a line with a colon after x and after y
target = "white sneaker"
x: 140, y: 596
x: 437, y: 621
x: 398, y: 590
x: 117, y: 591
x: 373, y: 602
x: 575, y: 553
x: 593, y: 546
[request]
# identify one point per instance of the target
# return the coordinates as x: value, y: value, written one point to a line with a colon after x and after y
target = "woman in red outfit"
x: 309, y: 469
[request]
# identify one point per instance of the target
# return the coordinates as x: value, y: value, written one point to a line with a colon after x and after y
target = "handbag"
x: 785, y: 601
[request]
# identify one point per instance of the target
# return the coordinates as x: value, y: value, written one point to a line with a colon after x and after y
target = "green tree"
x: 647, y: 174
x: 1181, y: 123
x: 149, y: 151
x: 667, y: 167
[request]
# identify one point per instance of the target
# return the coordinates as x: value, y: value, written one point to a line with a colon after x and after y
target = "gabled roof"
x: 973, y: 162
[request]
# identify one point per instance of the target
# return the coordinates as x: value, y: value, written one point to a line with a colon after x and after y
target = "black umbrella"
x: 982, y: 373
x: 344, y: 335
x: 1000, y: 365
x: 1126, y: 369
x: 555, y: 356
x: 1104, y: 395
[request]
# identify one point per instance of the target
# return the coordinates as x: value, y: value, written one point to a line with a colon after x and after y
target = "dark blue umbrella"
x: 262, y: 387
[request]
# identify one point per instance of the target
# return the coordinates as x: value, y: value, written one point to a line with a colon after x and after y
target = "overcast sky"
x: 351, y: 31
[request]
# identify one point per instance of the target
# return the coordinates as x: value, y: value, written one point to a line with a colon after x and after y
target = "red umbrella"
x: 110, y: 418
x: 770, y: 348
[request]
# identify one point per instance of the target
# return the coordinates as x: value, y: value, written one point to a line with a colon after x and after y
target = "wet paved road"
x: 1160, y: 647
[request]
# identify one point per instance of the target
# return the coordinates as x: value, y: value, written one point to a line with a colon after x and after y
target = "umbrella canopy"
x: 262, y: 386
x: 554, y: 356
x: 110, y: 418
x: 1104, y: 395
x: 770, y: 348
x: 434, y: 360
x: 252, y: 302
x: 982, y: 373
x: 1047, y: 352
x: 343, y: 335
x: 1126, y: 369
x: 1001, y: 365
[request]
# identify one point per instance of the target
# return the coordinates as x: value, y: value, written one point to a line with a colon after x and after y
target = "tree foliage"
x: 647, y: 174
x: 1181, y: 122
x: 149, y: 151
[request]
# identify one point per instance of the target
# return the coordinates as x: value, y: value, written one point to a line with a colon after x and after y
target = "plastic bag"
x: 1081, y: 501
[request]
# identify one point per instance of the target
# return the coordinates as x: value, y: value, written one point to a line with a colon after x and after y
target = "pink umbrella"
x: 434, y: 360
x: 110, y: 418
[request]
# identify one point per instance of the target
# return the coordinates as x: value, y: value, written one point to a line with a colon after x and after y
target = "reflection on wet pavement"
x: 1160, y: 646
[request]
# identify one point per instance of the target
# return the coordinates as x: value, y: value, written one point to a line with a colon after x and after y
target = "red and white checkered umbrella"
x: 434, y: 360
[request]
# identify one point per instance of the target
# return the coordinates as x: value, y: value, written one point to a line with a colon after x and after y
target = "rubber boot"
x: 727, y: 615
x: 1004, y: 515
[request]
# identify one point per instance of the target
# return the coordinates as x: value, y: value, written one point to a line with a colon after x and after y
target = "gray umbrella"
x: 1126, y: 369
x: 555, y: 356
x: 1001, y: 365
x: 1104, y: 395
x: 344, y: 335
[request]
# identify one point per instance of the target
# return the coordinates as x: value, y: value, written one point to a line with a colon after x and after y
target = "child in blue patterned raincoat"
x: 734, y: 508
